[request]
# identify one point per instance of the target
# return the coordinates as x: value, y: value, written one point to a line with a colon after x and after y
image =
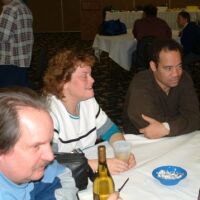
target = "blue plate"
x: 169, y: 175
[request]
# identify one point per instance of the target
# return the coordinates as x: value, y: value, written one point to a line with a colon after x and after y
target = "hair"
x: 166, y: 45
x: 11, y: 99
x: 184, y: 15
x: 61, y: 67
x: 150, y: 10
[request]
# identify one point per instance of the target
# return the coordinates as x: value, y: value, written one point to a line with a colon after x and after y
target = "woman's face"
x: 80, y: 87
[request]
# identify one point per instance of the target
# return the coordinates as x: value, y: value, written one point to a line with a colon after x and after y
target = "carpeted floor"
x: 111, y: 81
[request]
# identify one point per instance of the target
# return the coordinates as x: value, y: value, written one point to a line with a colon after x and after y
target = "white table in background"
x: 183, y: 151
x: 119, y: 48
x: 129, y: 17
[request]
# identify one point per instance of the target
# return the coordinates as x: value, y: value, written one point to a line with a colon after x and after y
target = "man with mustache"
x: 27, y: 169
x: 162, y: 101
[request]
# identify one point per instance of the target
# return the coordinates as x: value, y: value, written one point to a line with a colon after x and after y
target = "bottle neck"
x: 102, y: 164
x: 103, y: 169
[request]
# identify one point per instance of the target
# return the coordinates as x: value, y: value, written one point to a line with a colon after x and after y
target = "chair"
x: 41, y: 62
x: 142, y: 54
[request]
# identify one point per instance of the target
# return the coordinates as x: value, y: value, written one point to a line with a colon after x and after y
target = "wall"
x: 183, y: 3
x: 170, y: 3
x: 139, y: 3
x: 55, y: 15
x: 65, y: 15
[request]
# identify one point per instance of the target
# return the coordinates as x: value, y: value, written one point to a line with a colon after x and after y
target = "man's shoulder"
x: 145, y: 75
x: 8, y: 188
x: 186, y: 78
x: 142, y: 79
x: 191, y: 27
x: 139, y: 21
x: 158, y: 20
x: 52, y: 170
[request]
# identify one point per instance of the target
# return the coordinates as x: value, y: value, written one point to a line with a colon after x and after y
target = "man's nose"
x: 48, y: 154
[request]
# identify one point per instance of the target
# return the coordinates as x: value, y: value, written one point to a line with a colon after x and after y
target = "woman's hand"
x: 115, y: 165
x: 131, y: 161
x: 114, y: 196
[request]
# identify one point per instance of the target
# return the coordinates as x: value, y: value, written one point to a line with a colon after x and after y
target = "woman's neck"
x: 71, y: 106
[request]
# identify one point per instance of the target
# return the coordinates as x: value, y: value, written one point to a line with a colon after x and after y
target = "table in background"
x: 120, y: 47
x: 183, y: 151
x: 129, y: 17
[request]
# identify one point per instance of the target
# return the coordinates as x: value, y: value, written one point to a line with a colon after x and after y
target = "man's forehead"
x: 165, y: 51
x: 27, y: 113
x: 32, y: 120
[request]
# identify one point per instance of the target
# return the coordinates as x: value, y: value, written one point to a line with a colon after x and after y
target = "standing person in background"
x: 78, y: 119
x: 190, y: 38
x: 151, y: 25
x: 16, y: 42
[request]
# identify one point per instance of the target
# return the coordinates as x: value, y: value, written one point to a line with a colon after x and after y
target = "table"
x: 119, y: 48
x: 183, y: 151
x: 129, y: 17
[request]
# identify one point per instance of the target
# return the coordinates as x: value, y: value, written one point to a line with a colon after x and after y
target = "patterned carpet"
x: 111, y: 81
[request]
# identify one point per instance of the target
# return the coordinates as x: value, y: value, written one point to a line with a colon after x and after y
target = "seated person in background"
x: 189, y: 37
x: 78, y: 119
x: 162, y: 101
x: 151, y: 25
x: 27, y: 169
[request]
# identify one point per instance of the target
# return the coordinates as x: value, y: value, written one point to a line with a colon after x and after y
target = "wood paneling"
x: 183, y: 3
x: 91, y: 17
x: 71, y: 15
x: 139, y: 3
x: 46, y: 15
x: 119, y: 5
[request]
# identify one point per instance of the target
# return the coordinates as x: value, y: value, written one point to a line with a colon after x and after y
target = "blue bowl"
x: 169, y: 175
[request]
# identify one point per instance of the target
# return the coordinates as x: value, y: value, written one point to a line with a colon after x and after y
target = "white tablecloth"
x: 119, y: 48
x: 183, y: 151
x: 129, y: 17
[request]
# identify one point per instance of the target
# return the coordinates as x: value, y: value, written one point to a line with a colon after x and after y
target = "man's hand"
x: 155, y: 129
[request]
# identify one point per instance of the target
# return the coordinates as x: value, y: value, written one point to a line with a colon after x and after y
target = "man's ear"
x: 153, y: 66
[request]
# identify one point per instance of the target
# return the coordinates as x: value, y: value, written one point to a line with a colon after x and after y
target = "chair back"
x: 142, y: 54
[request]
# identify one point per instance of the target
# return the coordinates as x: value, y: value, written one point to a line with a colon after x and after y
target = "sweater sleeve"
x: 68, y: 190
x: 57, y: 184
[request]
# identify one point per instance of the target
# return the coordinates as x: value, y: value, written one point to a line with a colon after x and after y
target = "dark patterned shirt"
x: 16, y: 34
